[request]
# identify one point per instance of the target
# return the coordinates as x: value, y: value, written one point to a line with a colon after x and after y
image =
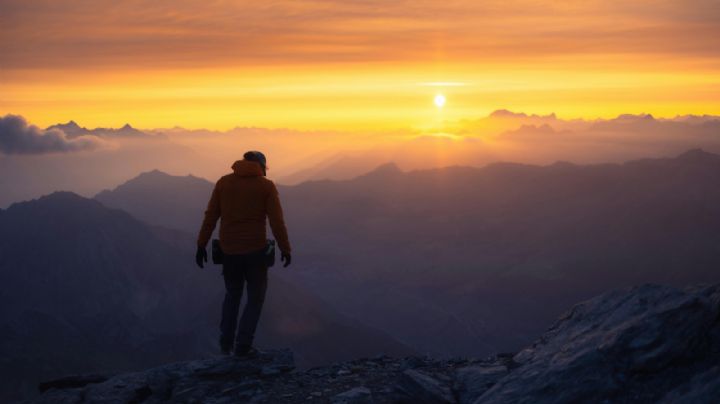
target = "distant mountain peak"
x: 155, y: 181
x: 387, y: 168
x: 505, y: 113
x: 153, y: 173
x: 125, y: 130
x: 71, y: 128
x: 697, y: 155
x: 62, y: 195
x: 58, y: 199
x: 70, y: 124
x: 632, y: 117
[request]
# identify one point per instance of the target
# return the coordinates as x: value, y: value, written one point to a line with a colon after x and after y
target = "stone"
x: 413, y: 362
x: 70, y: 382
x: 422, y: 388
x: 613, y: 345
x: 356, y: 395
x: 473, y: 381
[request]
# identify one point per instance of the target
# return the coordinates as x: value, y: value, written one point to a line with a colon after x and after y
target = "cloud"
x: 18, y: 137
x: 204, y: 33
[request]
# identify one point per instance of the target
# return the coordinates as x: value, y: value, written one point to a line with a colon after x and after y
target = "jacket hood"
x: 246, y: 168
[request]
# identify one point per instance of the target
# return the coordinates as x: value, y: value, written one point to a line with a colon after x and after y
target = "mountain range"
x: 487, y: 255
x: 454, y: 261
x: 72, y: 130
x: 110, y: 156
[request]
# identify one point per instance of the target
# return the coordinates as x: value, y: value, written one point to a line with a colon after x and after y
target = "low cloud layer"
x: 18, y: 137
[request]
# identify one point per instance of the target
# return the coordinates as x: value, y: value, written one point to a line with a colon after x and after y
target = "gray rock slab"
x: 597, y: 350
x: 424, y: 389
x: 356, y: 395
x: 473, y: 381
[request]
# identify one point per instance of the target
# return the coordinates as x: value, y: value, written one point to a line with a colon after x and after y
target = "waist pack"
x: 267, y: 253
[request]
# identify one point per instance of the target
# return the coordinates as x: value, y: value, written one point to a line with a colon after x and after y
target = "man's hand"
x: 286, y: 258
x: 200, y: 256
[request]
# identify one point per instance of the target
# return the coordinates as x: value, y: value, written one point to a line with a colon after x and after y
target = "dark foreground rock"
x: 633, y: 345
x: 642, y: 345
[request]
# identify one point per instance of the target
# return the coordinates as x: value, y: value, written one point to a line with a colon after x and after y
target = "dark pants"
x: 237, y: 271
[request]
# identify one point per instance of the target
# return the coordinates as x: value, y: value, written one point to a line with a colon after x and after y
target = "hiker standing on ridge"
x: 242, y: 200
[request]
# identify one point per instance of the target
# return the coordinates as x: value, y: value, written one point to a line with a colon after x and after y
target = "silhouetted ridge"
x: 71, y: 129
x: 505, y: 113
x: 386, y: 169
x: 57, y: 201
x: 153, y: 197
x: 632, y: 117
x: 698, y: 155
x: 71, y: 126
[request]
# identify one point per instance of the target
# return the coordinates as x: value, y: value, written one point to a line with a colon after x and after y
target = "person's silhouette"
x: 242, y: 200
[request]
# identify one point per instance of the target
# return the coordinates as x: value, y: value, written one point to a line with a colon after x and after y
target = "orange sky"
x: 353, y: 65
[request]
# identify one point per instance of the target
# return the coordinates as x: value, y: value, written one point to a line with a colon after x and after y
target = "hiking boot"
x: 225, y: 349
x: 245, y: 351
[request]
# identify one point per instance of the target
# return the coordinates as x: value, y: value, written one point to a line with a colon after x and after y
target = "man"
x: 242, y: 200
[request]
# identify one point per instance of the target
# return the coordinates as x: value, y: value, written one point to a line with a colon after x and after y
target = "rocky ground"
x: 642, y: 345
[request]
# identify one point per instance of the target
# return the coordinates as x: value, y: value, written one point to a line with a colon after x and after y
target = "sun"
x: 439, y: 100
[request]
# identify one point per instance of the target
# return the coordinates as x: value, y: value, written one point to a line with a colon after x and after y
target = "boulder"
x: 421, y: 388
x: 356, y: 395
x: 228, y: 379
x: 473, y: 381
x: 636, y: 344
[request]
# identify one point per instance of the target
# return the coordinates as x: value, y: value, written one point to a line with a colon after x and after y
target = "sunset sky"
x: 353, y: 65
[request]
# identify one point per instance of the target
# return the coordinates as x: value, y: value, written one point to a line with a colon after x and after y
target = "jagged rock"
x: 422, y: 388
x: 227, y: 379
x: 70, y: 382
x: 357, y: 395
x: 472, y: 381
x: 413, y: 362
x: 635, y: 344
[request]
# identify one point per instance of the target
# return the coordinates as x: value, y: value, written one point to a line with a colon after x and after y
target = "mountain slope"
x: 161, y: 199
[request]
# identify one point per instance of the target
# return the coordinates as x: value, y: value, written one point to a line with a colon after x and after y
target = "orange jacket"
x: 241, y: 201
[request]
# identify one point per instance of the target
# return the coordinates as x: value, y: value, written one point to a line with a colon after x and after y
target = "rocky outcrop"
x: 632, y: 345
x: 641, y: 345
x: 223, y: 380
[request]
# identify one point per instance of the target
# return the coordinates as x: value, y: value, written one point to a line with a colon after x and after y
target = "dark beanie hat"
x: 257, y: 157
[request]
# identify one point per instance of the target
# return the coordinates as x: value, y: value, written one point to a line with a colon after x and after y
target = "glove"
x: 286, y: 258
x: 200, y: 256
